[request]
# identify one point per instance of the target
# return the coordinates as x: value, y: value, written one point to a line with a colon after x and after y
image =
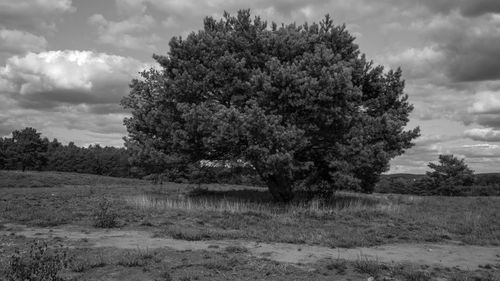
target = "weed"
x: 414, y: 275
x: 137, y: 258
x: 236, y: 249
x: 222, y: 265
x: 79, y: 264
x: 339, y: 265
x: 105, y: 216
x: 165, y: 276
x: 39, y: 264
x: 371, y: 267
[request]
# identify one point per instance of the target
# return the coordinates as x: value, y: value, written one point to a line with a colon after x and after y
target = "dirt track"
x: 447, y: 255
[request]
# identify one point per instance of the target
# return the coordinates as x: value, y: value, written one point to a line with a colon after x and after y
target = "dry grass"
x: 353, y: 203
x: 236, y: 212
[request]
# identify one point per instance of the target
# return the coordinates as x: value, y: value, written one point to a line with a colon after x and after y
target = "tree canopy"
x: 300, y: 103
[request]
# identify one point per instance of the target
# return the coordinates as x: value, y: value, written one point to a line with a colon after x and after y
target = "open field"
x: 240, y: 217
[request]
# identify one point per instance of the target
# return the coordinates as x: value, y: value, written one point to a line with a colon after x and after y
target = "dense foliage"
x: 26, y: 149
x: 300, y: 103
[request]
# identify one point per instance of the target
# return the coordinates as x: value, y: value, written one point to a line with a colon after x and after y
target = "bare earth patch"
x: 466, y: 257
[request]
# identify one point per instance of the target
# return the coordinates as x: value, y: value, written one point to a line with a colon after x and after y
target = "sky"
x: 66, y: 64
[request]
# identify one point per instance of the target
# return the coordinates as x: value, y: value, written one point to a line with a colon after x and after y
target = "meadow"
x: 215, y: 212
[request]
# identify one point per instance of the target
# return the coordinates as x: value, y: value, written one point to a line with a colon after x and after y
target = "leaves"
x: 299, y: 103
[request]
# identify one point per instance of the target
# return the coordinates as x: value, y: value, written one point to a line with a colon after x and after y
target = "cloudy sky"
x: 64, y: 65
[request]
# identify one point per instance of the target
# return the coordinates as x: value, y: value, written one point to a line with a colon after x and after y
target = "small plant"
x: 236, y: 249
x: 165, y: 276
x: 79, y: 264
x: 416, y: 276
x: 137, y: 258
x: 38, y: 264
x: 339, y: 265
x: 105, y: 216
x: 370, y: 267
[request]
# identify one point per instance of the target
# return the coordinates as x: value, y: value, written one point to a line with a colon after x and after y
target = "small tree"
x: 3, y: 152
x: 29, y: 148
x: 450, y: 173
x: 300, y: 103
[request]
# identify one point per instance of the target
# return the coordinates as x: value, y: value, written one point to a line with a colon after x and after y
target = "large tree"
x: 300, y: 103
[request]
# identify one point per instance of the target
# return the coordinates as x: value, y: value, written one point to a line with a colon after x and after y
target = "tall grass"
x: 351, y: 203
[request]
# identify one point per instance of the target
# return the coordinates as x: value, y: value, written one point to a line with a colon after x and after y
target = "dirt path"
x: 446, y: 255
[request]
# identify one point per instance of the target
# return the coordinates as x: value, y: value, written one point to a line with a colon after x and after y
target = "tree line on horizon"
x: 27, y: 150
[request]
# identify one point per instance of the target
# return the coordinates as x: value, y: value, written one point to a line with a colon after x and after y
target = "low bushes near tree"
x: 40, y: 263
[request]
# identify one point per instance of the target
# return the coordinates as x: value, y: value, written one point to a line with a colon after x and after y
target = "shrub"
x: 39, y: 264
x: 105, y: 216
x: 370, y: 267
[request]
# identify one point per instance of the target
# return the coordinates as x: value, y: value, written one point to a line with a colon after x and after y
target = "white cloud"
x: 417, y: 63
x: 486, y: 102
x: 484, y: 134
x: 47, y: 79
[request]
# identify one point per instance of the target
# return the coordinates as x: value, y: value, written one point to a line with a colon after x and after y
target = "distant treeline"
x: 26, y: 149
x: 483, y: 185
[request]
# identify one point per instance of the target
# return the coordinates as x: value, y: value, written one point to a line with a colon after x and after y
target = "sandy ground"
x: 465, y: 257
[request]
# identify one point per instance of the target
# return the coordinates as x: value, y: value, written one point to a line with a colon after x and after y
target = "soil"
x: 465, y: 257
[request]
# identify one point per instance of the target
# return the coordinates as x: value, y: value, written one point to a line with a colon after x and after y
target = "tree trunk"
x: 280, y: 188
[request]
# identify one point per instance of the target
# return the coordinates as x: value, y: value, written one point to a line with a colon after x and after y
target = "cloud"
x: 131, y: 33
x: 33, y: 14
x: 67, y: 124
x: 486, y: 134
x: 486, y: 102
x: 469, y: 45
x: 50, y: 79
x: 466, y: 8
x: 417, y: 62
x: 485, y: 109
x: 19, y: 42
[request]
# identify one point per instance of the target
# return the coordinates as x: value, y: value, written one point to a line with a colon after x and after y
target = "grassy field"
x: 217, y: 212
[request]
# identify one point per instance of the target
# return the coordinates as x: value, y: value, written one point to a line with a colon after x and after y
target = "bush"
x: 105, y: 216
x: 39, y: 264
